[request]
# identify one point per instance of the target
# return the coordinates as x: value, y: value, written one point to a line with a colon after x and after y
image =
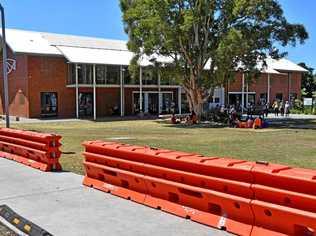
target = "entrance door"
x: 136, y: 107
x: 85, y: 104
x: 168, y: 105
x: 152, y: 103
x: 149, y: 103
x: 235, y: 99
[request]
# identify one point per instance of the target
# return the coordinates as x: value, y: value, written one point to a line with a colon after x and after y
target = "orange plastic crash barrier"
x: 38, y: 150
x: 285, y: 199
x: 242, y: 197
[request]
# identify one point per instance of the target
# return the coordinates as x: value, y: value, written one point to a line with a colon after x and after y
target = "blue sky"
x: 102, y: 18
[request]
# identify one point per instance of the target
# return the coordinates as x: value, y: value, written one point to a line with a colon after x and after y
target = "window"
x: 71, y: 74
x: 113, y: 75
x: 49, y: 104
x: 167, y: 103
x: 80, y: 73
x: 128, y: 79
x: 150, y: 77
x: 84, y: 74
x: 100, y: 74
x: 88, y: 74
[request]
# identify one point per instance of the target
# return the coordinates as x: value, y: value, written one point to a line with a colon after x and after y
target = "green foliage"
x: 298, y: 104
x: 308, y: 81
x: 223, y: 34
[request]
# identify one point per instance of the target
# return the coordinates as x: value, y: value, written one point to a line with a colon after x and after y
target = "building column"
x: 179, y: 100
x: 77, y: 92
x: 122, y: 90
x: 94, y: 94
x: 247, y: 94
x: 146, y: 103
x: 222, y: 101
x: 289, y: 86
x: 140, y: 89
x: 243, y: 93
x: 269, y: 87
x: 159, y: 94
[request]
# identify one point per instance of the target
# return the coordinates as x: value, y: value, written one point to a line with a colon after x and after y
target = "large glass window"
x: 113, y: 74
x: 100, y: 74
x: 85, y: 74
x: 168, y: 105
x: 49, y: 104
x: 128, y: 79
x: 149, y: 77
x: 80, y: 69
x: 168, y: 81
x: 72, y: 74
x: 88, y: 74
x: 108, y: 74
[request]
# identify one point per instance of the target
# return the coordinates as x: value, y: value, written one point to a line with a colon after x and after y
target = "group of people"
x: 281, y: 108
x: 191, y: 119
x: 236, y: 121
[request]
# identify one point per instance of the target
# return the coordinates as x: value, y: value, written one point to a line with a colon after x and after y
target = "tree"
x: 308, y: 81
x: 217, y: 35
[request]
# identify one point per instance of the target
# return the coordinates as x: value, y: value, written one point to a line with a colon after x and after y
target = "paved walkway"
x: 292, y: 117
x: 23, y: 120
x: 59, y: 203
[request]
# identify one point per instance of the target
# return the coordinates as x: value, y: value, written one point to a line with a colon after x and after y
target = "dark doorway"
x: 235, y: 99
x: 49, y: 104
x: 85, y: 104
x: 153, y: 103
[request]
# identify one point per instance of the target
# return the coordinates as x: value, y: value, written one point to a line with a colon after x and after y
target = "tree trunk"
x: 195, y: 99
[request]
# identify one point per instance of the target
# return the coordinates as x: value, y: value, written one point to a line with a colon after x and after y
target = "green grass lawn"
x: 295, y: 147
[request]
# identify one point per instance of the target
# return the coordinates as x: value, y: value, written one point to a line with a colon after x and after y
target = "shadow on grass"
x: 124, y: 118
x: 211, y: 125
x: 309, y: 124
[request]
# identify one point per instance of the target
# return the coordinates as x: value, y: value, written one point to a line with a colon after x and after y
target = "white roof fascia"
x: 40, y: 43
x: 284, y: 65
x: 96, y: 56
x: 21, y: 41
x: 84, y: 42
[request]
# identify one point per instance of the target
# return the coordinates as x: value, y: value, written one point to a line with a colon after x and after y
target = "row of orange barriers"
x: 38, y: 150
x: 242, y: 197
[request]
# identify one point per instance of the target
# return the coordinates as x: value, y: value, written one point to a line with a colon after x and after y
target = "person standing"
x: 287, y: 108
x: 275, y: 107
x: 266, y: 109
x: 281, y: 108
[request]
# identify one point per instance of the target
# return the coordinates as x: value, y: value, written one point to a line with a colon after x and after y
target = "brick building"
x: 71, y: 76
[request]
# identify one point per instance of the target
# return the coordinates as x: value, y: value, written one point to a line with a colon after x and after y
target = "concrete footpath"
x: 59, y: 203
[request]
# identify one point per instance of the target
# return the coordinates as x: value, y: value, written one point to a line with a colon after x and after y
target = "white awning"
x: 96, y: 56
x: 148, y: 60
x: 284, y: 65
x: 269, y: 70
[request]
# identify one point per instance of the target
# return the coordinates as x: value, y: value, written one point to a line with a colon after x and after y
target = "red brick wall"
x: 107, y: 98
x: 18, y: 89
x: 36, y: 74
x: 49, y: 74
x: 278, y: 84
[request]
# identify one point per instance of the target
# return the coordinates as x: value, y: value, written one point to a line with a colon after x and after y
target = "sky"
x: 102, y: 18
